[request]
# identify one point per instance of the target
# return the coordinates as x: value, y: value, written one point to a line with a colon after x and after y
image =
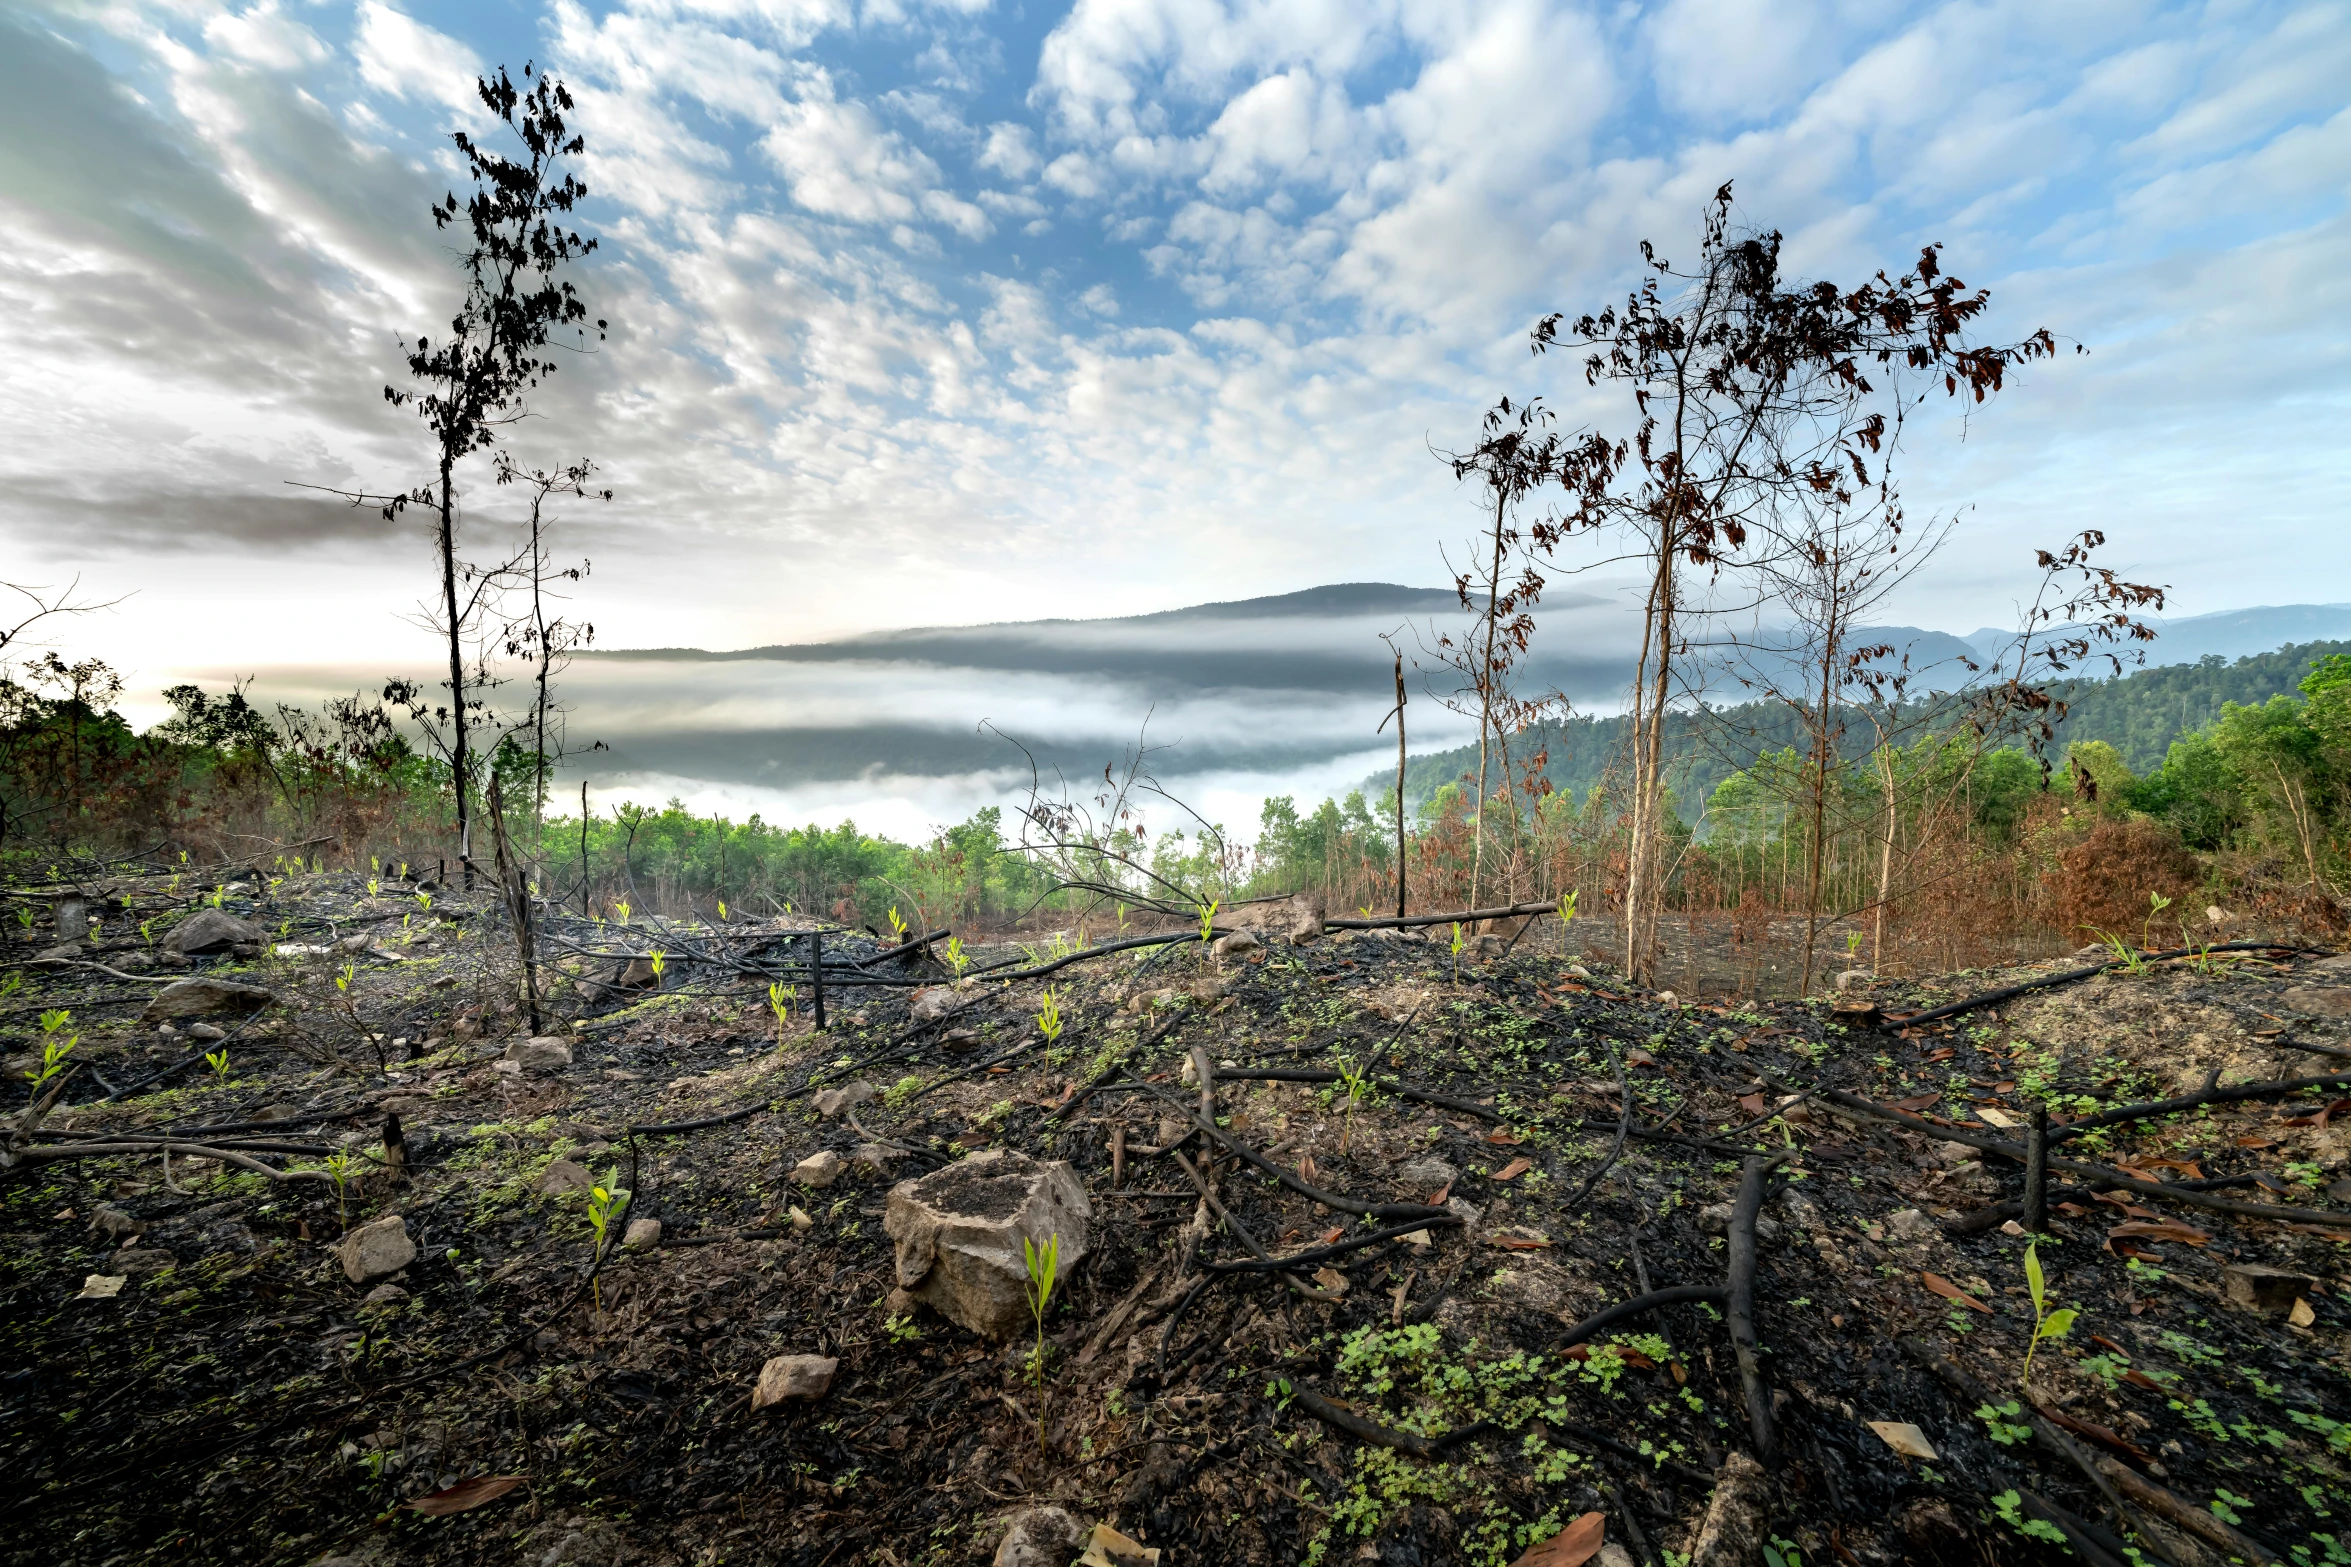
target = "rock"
x: 208, y: 1033
x: 2339, y: 1191
x: 642, y: 1235
x: 935, y: 1003
x: 385, y: 1295
x: 1106, y: 1547
x: 540, y: 1053
x: 1207, y: 990
x: 2258, y: 1287
x: 375, y: 1252
x: 63, y: 950
x: 2214, y: 914
x: 1668, y: 997
x: 102, y: 1286
x: 784, y: 1377
x: 1306, y: 916
x: 960, y: 1231
x: 1716, y: 1220
x: 1614, y: 1555
x: 635, y: 974
x: 1854, y: 976
x: 564, y: 1176
x: 1237, y: 943
x: 1578, y: 971
x: 354, y: 945
x: 831, y: 1103
x: 1911, y: 1225
x: 1732, y: 1533
x: 135, y: 1261
x: 197, y: 997
x: 819, y: 1169
x: 878, y: 1157
x: 210, y: 930
x: 799, y: 1217
x: 2318, y: 1000
x: 1041, y: 1537
x: 1424, y: 1178
x: 111, y: 1222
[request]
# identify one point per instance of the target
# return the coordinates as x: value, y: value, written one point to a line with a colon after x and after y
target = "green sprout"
x: 344, y: 979
x: 902, y: 1329
x: 11, y: 985
x: 722, y: 911
x: 1458, y: 944
x: 1357, y: 1087
x: 1852, y: 944
x: 374, y: 886
x: 1049, y: 1020
x: 1567, y: 908
x: 1044, y: 1265
x: 53, y: 1056
x: 218, y: 1060
x: 957, y: 958
x: 2156, y: 904
x: 338, y: 1165
x: 603, y: 1199
x: 1208, y: 918
x: 24, y: 917
x: 898, y: 927
x: 2046, y: 1323
x: 660, y: 961
x: 54, y: 1019
x: 424, y: 900
x: 779, y: 1001
x: 2008, y: 1505
x: 623, y: 910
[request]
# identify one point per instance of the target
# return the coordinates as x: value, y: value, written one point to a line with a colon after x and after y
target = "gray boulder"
x: 540, y: 1053
x: 803, y: 1377
x: 210, y: 930
x: 374, y: 1252
x: 1041, y: 1537
x: 833, y: 1102
x: 200, y: 997
x: 960, y: 1232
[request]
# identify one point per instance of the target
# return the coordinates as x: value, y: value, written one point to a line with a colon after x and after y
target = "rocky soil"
x: 368, y: 1319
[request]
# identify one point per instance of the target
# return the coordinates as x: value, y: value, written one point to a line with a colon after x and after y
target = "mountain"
x: 2230, y: 634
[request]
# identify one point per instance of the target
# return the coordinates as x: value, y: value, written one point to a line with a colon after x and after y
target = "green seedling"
x: 344, y: 979
x: 24, y: 917
x: 1049, y: 1022
x: 218, y: 1060
x: 11, y: 985
x: 1852, y: 945
x: 1044, y: 1265
x: 779, y: 1001
x: 622, y: 910
x: 2156, y: 904
x: 902, y: 1330
x: 2046, y: 1323
x: 2011, y: 1510
x: 1458, y: 944
x: 1782, y: 1553
x: 603, y: 1199
x: 374, y: 886
x: 722, y: 911
x: 53, y: 1056
x: 1357, y: 1087
x: 957, y: 958
x: 55, y: 1018
x: 660, y: 961
x: 1567, y: 908
x: 220, y: 895
x: 338, y: 1165
x: 898, y: 927
x: 424, y: 900
x: 2128, y: 959
x: 1208, y: 919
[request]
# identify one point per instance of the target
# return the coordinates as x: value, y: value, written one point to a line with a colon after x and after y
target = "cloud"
x: 401, y: 57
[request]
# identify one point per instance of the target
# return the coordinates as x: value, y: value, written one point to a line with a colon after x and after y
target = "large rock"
x: 1041, y: 1537
x: 200, y: 997
x: 805, y: 1377
x: 210, y: 930
x: 959, y: 1233
x: 375, y: 1252
x: 832, y: 1102
x: 2318, y: 1000
x: 1237, y: 943
x: 540, y: 1053
x: 1306, y: 915
x: 935, y: 1003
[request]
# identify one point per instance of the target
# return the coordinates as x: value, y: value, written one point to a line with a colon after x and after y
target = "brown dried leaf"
x: 465, y: 1495
x: 2160, y: 1230
x: 1953, y: 1293
x: 1514, y: 1169
x: 1572, y: 1546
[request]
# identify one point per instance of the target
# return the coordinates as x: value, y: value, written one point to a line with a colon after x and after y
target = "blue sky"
x: 958, y: 312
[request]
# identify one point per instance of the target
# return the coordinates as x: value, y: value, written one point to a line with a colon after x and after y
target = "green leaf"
x: 2032, y: 1276
x: 2060, y: 1323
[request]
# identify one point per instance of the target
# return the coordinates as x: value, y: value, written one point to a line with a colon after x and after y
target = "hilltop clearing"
x: 1374, y: 1247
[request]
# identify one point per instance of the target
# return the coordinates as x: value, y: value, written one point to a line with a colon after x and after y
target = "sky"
x: 942, y: 313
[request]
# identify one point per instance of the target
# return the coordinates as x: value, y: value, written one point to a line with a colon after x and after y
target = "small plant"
x: 660, y: 961
x: 24, y: 917
x: 1567, y: 908
x: 1208, y: 919
x: 1044, y: 1265
x: 902, y: 1330
x: 898, y: 927
x: 722, y: 911
x: 2124, y: 957
x: 2000, y: 1423
x: 1049, y: 1023
x: 2010, y: 1507
x: 1782, y: 1553
x: 1458, y: 944
x: 338, y: 1166
x: 53, y: 1054
x: 2156, y: 904
x: 55, y: 1018
x: 957, y: 958
x: 344, y: 979
x: 2046, y: 1323
x: 622, y: 910
x: 1357, y: 1088
x: 424, y: 900
x: 779, y: 1001
x: 374, y: 886
x: 603, y: 1198
x: 220, y: 895
x: 218, y: 1060
x: 1852, y: 945
x: 11, y: 985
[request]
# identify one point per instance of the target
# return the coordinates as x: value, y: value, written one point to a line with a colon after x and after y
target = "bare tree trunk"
x: 1824, y: 738
x: 1654, y: 675
x: 1877, y: 944
x: 459, y: 771
x: 1477, y: 861
x: 1400, y: 839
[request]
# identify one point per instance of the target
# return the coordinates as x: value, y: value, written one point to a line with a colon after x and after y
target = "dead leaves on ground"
x: 1953, y: 1293
x: 1572, y: 1546
x: 465, y: 1495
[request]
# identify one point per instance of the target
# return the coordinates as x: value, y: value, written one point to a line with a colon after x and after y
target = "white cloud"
x: 265, y: 36
x: 403, y: 58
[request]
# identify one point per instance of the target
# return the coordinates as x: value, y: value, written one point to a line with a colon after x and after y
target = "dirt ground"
x: 238, y: 1397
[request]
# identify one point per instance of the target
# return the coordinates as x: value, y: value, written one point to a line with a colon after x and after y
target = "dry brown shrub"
x: 2103, y: 882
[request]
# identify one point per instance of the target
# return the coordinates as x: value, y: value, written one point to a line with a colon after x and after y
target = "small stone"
x: 137, y: 1260
x: 2301, y: 1316
x: 2339, y: 1191
x: 935, y: 1003
x: 540, y: 1053
x: 799, y: 1217
x: 2214, y: 914
x: 1716, y: 1220
x: 642, y: 1235
x: 1614, y: 1555
x: 1424, y: 1178
x: 819, y: 1169
x: 2258, y: 1287
x: 1041, y: 1537
x: 1306, y: 915
x: 831, y: 1103
x: 209, y: 1033
x: 375, y: 1252
x: 1854, y: 976
x: 385, y: 1295
x: 878, y: 1157
x: 101, y: 1286
x: 1668, y: 997
x: 564, y: 1176
x: 1237, y: 943
x: 1578, y: 971
x: 198, y: 997
x: 111, y: 1221
x: 794, y: 1377
x: 2012, y: 1228
x: 1911, y: 1225
x: 1207, y: 990
x: 211, y: 930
